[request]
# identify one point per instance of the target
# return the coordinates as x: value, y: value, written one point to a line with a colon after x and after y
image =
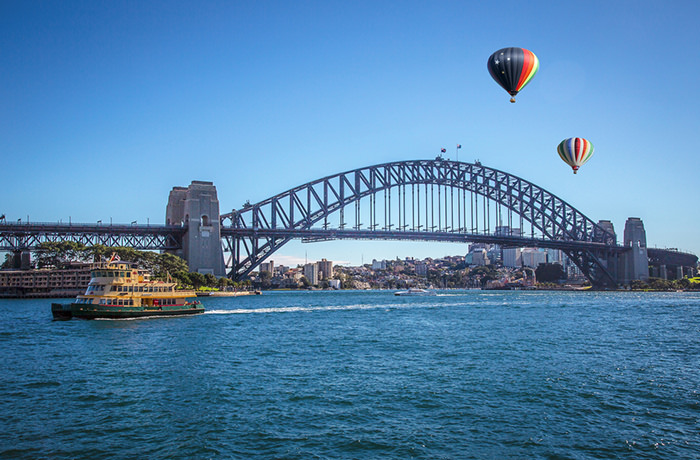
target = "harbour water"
x: 359, y: 375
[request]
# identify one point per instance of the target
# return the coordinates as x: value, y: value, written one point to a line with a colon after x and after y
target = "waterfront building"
x: 422, y: 269
x: 533, y: 257
x: 67, y: 282
x: 555, y: 256
x: 378, y: 265
x: 477, y: 256
x: 268, y: 266
x: 334, y: 284
x: 512, y: 257
x: 311, y: 273
x: 325, y: 269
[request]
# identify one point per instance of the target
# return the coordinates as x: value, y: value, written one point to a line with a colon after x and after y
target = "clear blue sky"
x: 105, y: 106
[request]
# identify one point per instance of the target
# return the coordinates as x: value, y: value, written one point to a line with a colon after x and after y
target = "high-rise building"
x: 478, y: 257
x: 378, y: 264
x: 311, y: 273
x: 325, y: 268
x: 532, y: 257
x: 268, y: 266
x: 512, y: 257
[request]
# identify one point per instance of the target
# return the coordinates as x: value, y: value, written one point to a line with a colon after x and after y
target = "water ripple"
x: 355, y: 375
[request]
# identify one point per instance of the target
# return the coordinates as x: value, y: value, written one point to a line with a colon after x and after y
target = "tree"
x: 59, y: 254
x: 224, y: 282
x: 9, y: 261
x: 198, y: 280
x: 210, y: 280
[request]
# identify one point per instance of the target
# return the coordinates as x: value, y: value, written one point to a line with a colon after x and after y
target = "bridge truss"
x: 24, y: 236
x: 424, y: 200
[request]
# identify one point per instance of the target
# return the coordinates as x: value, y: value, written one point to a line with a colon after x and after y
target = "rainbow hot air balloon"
x: 575, y: 151
x: 513, y: 68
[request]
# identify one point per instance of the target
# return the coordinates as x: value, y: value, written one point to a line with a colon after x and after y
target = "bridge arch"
x: 253, y: 233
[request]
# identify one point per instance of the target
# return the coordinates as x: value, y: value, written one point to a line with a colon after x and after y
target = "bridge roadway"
x: 313, y: 235
x: 28, y: 236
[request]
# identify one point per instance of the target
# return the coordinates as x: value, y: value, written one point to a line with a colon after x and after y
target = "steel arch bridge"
x: 423, y: 200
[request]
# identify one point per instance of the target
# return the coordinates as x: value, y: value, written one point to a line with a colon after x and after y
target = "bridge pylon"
x: 196, y: 208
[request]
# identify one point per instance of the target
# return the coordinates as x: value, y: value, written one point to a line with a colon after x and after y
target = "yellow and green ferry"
x: 118, y: 290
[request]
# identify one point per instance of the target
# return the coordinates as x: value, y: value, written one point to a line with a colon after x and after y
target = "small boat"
x: 415, y: 291
x: 117, y: 290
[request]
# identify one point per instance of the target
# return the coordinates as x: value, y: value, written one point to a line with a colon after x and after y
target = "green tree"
x: 210, y: 280
x: 59, y: 253
x: 9, y: 260
x: 224, y: 282
x: 198, y: 280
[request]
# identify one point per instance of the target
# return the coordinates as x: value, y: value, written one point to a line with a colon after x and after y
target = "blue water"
x: 359, y: 375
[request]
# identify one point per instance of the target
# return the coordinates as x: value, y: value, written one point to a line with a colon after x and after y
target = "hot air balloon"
x: 513, y: 68
x: 575, y: 151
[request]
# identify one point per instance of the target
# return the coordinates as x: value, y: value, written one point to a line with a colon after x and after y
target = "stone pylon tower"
x: 635, y: 262
x: 197, y: 209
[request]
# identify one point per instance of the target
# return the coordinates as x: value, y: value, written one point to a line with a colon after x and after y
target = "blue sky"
x: 108, y: 105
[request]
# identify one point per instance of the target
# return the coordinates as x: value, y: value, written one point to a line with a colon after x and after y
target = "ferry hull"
x: 86, y: 311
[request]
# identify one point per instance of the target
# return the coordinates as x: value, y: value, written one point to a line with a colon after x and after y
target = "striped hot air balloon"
x: 575, y: 151
x: 513, y: 68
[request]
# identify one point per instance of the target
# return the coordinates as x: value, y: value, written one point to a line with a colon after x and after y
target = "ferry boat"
x: 118, y: 290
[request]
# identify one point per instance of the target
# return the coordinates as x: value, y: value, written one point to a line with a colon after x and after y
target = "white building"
x: 311, y: 273
x: 378, y: 265
x: 532, y: 257
x: 478, y: 257
x: 334, y: 284
x: 512, y: 257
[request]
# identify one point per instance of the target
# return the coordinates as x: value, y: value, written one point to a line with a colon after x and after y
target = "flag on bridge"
x: 459, y: 146
x: 443, y: 150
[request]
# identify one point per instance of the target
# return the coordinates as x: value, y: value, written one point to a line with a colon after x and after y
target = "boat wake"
x: 244, y: 311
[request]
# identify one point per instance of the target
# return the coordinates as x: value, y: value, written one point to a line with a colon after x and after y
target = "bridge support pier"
x: 196, y: 208
x: 635, y: 261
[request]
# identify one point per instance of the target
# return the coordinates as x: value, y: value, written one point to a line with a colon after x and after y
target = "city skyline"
x: 107, y: 107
